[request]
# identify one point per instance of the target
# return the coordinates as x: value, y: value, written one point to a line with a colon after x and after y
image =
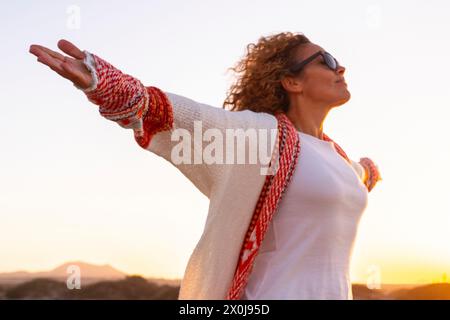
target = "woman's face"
x: 320, y: 84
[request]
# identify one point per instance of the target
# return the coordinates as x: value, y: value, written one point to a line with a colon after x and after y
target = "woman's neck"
x: 308, y: 120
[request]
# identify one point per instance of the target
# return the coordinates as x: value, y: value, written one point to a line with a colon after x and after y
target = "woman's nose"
x: 341, y: 70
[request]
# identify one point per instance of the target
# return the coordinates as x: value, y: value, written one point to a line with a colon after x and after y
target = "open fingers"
x: 70, y: 49
x: 67, y: 67
x: 66, y: 70
x: 50, y: 61
x: 36, y: 50
x: 51, y: 53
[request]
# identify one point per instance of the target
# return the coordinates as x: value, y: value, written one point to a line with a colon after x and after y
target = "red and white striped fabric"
x: 125, y: 100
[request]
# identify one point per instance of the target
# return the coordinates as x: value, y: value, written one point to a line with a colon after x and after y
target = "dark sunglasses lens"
x: 330, y: 61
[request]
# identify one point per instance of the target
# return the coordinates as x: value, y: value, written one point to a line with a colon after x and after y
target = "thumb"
x: 70, y: 49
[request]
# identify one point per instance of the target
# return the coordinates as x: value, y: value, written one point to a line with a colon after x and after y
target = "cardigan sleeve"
x: 166, y: 123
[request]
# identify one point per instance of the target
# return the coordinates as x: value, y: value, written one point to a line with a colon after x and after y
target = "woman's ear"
x: 292, y: 84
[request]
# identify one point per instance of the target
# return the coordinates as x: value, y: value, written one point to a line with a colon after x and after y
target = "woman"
x: 287, y: 85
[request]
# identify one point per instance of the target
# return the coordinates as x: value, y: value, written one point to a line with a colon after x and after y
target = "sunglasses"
x: 329, y: 60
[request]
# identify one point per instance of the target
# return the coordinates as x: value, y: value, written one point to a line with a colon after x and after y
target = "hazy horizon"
x: 90, y: 265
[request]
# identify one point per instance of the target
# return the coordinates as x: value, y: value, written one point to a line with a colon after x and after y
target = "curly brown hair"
x: 259, y: 73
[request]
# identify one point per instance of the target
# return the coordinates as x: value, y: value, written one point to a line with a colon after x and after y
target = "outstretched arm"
x: 121, y: 97
x: 152, y: 114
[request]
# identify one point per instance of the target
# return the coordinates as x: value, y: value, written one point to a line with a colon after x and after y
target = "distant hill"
x: 129, y: 288
x: 435, y: 291
x: 90, y: 273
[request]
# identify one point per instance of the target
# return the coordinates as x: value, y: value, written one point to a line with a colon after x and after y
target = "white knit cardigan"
x: 233, y: 191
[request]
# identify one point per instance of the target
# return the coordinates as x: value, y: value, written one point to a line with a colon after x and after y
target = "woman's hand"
x: 71, y: 68
x: 372, y: 175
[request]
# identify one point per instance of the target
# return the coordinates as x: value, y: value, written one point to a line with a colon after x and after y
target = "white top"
x: 306, y: 251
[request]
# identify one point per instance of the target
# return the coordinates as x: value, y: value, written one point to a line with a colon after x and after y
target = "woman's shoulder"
x: 188, y: 110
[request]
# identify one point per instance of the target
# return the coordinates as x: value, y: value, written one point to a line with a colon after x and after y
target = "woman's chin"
x: 348, y: 95
x: 343, y: 98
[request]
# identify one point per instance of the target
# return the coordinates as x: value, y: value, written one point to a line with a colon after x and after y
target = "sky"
x: 75, y: 186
